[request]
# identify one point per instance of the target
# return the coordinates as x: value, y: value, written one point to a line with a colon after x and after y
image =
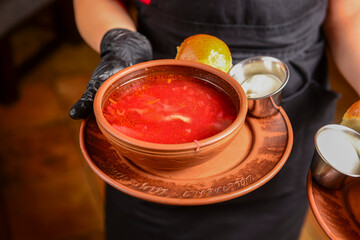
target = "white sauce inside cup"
x: 340, y: 151
x: 261, y: 85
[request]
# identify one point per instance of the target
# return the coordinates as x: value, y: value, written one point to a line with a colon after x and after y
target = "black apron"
x: 286, y: 29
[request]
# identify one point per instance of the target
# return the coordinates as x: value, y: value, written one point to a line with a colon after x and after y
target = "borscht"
x: 169, y: 109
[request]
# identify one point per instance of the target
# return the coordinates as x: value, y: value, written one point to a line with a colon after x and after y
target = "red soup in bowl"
x: 170, y: 114
x: 169, y: 109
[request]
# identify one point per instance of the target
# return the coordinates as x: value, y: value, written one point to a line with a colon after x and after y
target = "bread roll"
x: 351, y: 117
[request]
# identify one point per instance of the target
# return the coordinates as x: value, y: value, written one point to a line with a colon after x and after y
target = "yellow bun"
x: 206, y: 49
x: 351, y: 117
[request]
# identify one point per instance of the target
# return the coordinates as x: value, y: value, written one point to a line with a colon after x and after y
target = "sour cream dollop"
x: 339, y: 151
x: 261, y: 85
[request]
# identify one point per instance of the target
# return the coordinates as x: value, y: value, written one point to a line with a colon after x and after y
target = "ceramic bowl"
x: 171, y: 156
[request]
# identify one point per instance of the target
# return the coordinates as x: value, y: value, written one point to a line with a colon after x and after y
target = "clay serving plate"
x: 337, y: 211
x: 171, y: 156
x: 257, y: 153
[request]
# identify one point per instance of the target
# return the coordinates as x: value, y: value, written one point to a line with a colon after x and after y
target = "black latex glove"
x: 120, y: 48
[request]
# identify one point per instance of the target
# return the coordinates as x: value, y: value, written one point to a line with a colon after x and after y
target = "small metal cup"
x: 267, y: 105
x: 329, y: 170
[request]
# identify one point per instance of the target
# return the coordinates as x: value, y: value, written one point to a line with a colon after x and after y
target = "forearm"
x: 342, y: 28
x: 95, y: 17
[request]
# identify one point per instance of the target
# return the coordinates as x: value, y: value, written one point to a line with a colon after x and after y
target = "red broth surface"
x: 169, y: 109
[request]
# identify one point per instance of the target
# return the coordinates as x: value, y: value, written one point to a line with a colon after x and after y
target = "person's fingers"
x: 120, y: 48
x: 81, y: 109
x: 131, y: 47
x: 107, y: 67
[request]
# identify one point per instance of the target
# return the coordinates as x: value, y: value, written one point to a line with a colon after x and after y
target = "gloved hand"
x: 119, y: 49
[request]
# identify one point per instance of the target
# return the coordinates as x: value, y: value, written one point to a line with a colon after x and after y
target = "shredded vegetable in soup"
x: 169, y: 109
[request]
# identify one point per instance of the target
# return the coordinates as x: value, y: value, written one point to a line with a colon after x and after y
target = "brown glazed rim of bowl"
x: 239, y: 120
